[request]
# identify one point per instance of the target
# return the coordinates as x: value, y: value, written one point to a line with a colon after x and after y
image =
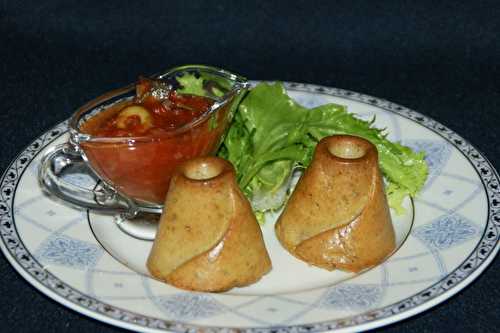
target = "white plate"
x: 133, y: 253
x: 454, y: 237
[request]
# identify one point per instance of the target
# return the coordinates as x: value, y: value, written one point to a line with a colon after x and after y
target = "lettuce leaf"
x: 206, y: 85
x: 271, y: 135
x: 190, y: 84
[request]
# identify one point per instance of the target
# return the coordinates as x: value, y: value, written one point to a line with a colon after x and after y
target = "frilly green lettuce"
x: 272, y: 135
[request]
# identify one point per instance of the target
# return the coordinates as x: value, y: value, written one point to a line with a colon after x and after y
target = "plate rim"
x: 366, y: 320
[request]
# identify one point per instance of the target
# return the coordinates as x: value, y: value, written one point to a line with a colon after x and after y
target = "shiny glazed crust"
x: 338, y: 217
x: 208, y: 238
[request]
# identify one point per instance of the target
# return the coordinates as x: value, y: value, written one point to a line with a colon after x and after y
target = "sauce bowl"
x: 133, y: 173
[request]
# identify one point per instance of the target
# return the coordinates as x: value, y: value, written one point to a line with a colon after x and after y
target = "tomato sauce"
x: 156, y: 139
x: 148, y: 115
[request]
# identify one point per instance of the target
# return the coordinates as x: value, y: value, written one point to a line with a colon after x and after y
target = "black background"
x: 439, y: 58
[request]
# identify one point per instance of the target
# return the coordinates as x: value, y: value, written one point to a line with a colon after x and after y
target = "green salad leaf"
x: 206, y: 85
x: 190, y: 84
x: 271, y: 135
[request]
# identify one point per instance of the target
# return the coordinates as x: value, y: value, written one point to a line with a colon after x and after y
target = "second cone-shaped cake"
x: 337, y: 216
x: 208, y: 238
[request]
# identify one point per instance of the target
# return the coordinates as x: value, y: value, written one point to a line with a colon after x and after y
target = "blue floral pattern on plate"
x: 66, y: 251
x: 352, y: 296
x: 188, y: 306
x: 446, y: 231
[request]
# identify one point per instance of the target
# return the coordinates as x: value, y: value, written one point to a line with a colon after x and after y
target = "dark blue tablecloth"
x: 439, y: 58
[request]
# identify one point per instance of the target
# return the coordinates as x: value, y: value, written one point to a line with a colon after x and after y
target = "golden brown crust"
x: 223, y: 246
x: 337, y: 216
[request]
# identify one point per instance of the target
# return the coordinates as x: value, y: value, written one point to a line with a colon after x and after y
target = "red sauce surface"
x: 167, y: 114
x: 141, y: 169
